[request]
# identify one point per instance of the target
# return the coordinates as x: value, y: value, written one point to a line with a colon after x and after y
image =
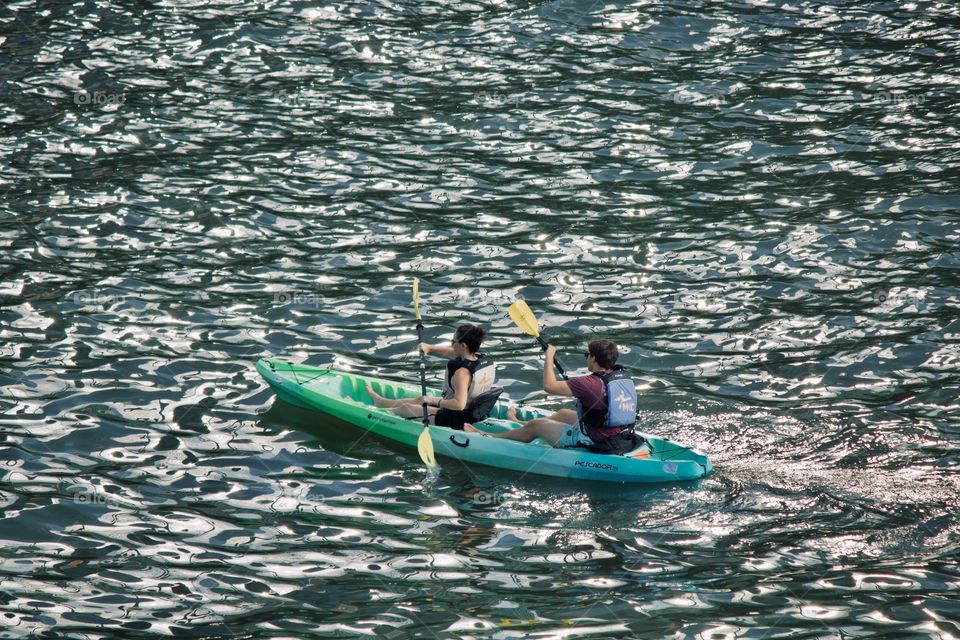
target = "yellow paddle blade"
x: 523, y: 316
x: 416, y: 297
x: 425, y: 447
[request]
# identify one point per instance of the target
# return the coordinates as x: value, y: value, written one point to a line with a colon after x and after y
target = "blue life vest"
x: 620, y: 396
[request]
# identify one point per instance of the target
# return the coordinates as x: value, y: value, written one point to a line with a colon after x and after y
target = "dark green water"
x: 758, y: 200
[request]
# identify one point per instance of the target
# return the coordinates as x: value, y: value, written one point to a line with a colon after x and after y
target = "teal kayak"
x: 344, y: 396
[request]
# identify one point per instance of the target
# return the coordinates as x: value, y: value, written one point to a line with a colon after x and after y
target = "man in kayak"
x: 469, y: 375
x: 562, y: 429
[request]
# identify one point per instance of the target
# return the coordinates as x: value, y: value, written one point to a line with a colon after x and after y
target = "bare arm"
x: 461, y: 389
x: 550, y: 382
x: 443, y: 350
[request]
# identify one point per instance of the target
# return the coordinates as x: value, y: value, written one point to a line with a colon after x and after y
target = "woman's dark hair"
x: 604, y: 352
x: 470, y: 335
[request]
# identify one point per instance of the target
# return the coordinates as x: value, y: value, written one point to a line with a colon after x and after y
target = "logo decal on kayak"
x: 669, y: 467
x: 595, y: 465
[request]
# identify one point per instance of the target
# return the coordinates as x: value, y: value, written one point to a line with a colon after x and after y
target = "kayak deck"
x: 344, y: 395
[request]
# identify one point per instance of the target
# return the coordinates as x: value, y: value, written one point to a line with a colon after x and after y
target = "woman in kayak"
x: 562, y: 428
x: 469, y: 373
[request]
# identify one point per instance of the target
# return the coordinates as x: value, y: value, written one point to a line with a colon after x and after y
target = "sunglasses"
x: 586, y: 354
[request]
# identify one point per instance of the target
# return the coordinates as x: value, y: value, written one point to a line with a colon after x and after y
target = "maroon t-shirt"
x: 590, y: 391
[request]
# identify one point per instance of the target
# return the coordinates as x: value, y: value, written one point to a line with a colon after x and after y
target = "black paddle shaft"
x: 423, y: 375
x: 555, y: 361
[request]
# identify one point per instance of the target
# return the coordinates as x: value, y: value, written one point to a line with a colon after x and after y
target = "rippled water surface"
x: 757, y: 200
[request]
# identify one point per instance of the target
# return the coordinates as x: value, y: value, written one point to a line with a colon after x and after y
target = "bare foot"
x: 378, y: 399
x: 512, y: 413
x: 469, y: 428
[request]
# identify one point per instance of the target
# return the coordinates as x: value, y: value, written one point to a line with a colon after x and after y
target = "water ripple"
x: 755, y: 200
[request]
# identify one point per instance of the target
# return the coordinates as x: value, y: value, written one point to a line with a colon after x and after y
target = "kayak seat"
x: 624, y: 443
x: 480, y: 407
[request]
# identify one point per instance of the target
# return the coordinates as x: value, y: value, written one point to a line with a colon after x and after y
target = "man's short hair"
x: 604, y: 352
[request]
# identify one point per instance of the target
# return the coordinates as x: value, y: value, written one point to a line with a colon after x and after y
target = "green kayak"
x: 344, y: 396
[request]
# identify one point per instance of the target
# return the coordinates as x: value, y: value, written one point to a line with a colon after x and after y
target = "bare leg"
x: 385, y: 403
x: 566, y: 416
x: 403, y: 407
x: 412, y: 410
x: 549, y: 430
